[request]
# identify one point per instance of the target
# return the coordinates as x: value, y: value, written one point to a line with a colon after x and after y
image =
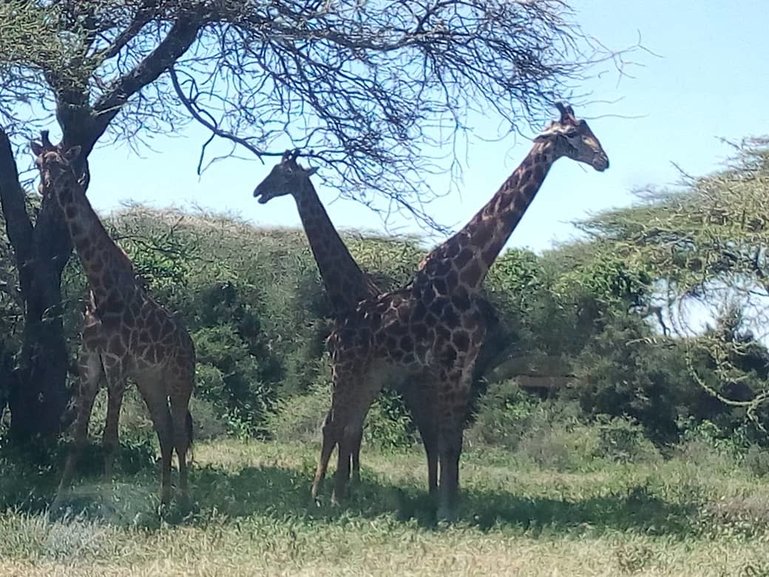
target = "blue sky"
x: 706, y: 80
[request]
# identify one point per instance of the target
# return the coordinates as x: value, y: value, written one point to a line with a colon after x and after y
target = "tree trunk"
x: 38, y: 394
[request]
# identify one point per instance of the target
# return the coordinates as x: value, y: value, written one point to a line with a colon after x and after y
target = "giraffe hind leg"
x: 348, y: 431
x: 420, y: 401
x: 154, y: 393
x: 182, y: 427
x: 355, y: 456
x: 327, y: 448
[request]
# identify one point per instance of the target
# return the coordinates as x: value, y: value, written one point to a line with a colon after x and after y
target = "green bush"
x: 756, y: 460
x: 389, y: 425
x: 624, y: 441
x: 298, y: 418
x: 621, y: 373
x: 254, y: 303
x: 229, y: 377
x: 503, y: 415
x: 561, y: 446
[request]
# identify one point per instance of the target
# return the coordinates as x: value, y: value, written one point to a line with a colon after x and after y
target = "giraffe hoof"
x: 446, y: 514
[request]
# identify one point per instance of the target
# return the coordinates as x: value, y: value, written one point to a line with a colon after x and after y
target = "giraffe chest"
x: 140, y: 335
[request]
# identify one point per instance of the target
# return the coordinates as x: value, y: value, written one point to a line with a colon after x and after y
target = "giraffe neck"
x: 110, y: 273
x: 470, y: 252
x: 345, y: 282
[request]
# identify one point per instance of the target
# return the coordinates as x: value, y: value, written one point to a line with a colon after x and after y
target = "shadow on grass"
x: 282, y: 493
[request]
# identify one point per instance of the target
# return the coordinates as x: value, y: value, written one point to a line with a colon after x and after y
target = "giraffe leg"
x: 343, y: 425
x: 452, y: 406
x: 182, y: 424
x: 451, y: 449
x: 154, y: 394
x: 327, y: 447
x: 110, y: 439
x: 90, y: 374
x: 349, y: 423
x: 420, y: 402
x: 355, y: 456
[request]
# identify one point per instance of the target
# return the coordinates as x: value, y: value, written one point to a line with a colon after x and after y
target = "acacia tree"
x: 703, y: 247
x: 364, y: 85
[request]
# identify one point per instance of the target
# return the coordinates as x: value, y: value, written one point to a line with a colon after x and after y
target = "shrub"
x: 389, y: 425
x: 561, y: 446
x: 623, y: 440
x: 622, y: 374
x: 502, y: 416
x: 298, y: 418
x: 228, y: 377
x: 756, y: 460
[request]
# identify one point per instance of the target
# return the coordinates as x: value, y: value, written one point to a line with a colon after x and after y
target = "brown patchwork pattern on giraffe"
x: 431, y: 330
x: 126, y: 334
x: 344, y: 281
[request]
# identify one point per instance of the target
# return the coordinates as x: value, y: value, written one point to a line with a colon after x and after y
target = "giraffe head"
x: 54, y: 164
x: 286, y: 177
x: 573, y: 138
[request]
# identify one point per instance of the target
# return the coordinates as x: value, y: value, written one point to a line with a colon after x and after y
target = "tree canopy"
x: 367, y: 88
x: 703, y: 248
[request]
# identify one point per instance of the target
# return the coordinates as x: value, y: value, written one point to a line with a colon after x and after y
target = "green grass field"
x: 252, y: 516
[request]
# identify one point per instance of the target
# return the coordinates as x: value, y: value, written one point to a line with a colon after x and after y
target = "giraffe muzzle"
x: 261, y: 196
x: 600, y: 163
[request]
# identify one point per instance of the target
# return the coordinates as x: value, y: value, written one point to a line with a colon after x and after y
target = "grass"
x: 252, y: 516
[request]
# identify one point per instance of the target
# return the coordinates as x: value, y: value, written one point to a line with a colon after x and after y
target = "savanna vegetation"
x: 599, y: 407
x: 619, y: 423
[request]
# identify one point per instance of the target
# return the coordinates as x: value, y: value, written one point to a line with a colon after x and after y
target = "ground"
x: 252, y: 516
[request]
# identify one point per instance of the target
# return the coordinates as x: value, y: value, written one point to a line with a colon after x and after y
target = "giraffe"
x: 344, y: 281
x: 431, y: 330
x: 126, y: 334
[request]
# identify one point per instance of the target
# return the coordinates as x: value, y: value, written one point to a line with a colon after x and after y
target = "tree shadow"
x: 284, y: 493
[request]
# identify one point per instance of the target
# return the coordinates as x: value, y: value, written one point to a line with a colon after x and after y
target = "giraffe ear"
x: 72, y: 153
x: 312, y: 170
x: 37, y: 149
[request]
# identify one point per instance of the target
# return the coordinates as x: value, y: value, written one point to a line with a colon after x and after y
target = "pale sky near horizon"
x: 706, y: 80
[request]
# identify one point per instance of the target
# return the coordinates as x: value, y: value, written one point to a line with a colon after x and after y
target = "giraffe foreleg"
x: 115, y: 391
x: 90, y: 371
x: 182, y: 425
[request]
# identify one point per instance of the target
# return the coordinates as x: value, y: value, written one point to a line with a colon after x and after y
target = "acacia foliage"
x: 703, y: 249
